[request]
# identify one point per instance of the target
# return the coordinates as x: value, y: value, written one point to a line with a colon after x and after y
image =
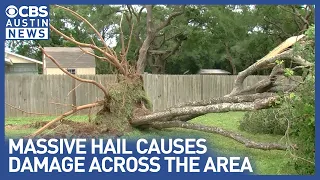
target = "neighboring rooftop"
x: 70, y: 57
x: 8, y: 61
x: 214, y: 71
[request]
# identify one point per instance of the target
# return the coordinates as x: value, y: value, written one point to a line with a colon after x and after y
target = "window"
x: 72, y: 71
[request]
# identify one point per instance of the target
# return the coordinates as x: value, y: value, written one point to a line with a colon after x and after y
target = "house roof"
x: 8, y: 61
x: 213, y: 71
x: 20, y: 56
x: 69, y: 57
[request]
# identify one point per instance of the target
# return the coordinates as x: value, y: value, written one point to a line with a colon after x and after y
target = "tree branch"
x: 90, y: 25
x: 170, y: 18
x: 297, y: 13
x: 211, y: 129
x: 277, y: 26
x: 198, y: 110
x: 174, y: 50
x: 110, y: 57
x: 92, y: 54
x: 230, y: 99
x: 74, y: 76
x: 270, y: 58
x: 35, y: 113
x: 66, y: 114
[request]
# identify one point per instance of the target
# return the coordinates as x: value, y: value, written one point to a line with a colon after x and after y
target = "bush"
x: 298, y: 110
x: 265, y: 121
x: 303, y: 124
x: 303, y: 128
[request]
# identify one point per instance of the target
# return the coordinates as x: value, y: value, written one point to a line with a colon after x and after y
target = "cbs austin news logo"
x: 27, y: 22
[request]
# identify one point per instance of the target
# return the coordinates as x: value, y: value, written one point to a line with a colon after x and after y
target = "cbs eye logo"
x: 11, y: 11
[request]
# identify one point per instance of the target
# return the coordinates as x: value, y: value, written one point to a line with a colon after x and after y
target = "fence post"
x: 73, y: 93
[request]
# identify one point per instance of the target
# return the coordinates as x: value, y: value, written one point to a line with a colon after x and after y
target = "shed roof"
x: 213, y: 71
x: 70, y: 57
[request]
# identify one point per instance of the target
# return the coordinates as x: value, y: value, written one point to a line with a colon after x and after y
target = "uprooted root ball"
x: 126, y: 99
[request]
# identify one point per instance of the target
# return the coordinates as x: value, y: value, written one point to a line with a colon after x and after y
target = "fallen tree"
x: 125, y: 104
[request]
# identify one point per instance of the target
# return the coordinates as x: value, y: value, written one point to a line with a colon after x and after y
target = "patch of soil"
x: 16, y: 127
x: 71, y: 129
x: 68, y: 129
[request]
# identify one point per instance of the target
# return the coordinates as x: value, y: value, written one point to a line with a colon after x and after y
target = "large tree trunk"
x: 229, y: 58
x: 152, y: 31
x: 143, y: 51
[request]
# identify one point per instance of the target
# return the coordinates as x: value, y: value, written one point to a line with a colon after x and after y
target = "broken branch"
x: 26, y: 112
x: 66, y: 114
x: 73, y: 76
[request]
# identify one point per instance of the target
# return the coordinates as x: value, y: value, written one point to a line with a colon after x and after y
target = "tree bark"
x: 143, y: 51
x: 151, y: 35
x: 199, y: 110
x: 230, y: 99
x: 211, y: 129
x: 229, y: 58
x: 286, y: 55
x: 66, y: 114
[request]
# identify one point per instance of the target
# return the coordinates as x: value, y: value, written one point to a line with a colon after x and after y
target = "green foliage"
x: 241, y: 33
x: 214, y: 34
x: 266, y: 121
x: 295, y: 116
x: 288, y: 72
x: 298, y: 110
x: 303, y: 125
x: 303, y: 128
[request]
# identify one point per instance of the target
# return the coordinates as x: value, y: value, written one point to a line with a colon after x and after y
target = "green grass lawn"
x: 264, y: 162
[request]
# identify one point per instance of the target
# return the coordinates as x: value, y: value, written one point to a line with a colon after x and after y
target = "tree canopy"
x: 179, y: 39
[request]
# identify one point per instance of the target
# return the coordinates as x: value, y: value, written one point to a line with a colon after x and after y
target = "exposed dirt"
x: 68, y: 129
x: 16, y: 127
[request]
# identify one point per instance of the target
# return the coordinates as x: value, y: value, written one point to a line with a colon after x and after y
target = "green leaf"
x: 288, y: 72
x: 292, y: 95
x: 278, y: 62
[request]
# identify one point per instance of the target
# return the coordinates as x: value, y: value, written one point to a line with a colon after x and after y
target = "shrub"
x: 265, y: 121
x: 303, y: 128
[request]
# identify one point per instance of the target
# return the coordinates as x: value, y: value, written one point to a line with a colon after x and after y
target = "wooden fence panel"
x: 54, y: 94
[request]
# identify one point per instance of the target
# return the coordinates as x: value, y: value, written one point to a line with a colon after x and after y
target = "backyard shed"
x: 73, y: 59
x: 213, y: 72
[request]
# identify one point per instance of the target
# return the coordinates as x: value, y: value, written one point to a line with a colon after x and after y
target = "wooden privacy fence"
x: 54, y: 94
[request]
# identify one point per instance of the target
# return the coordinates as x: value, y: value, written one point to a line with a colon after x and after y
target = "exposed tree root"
x: 211, y: 129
